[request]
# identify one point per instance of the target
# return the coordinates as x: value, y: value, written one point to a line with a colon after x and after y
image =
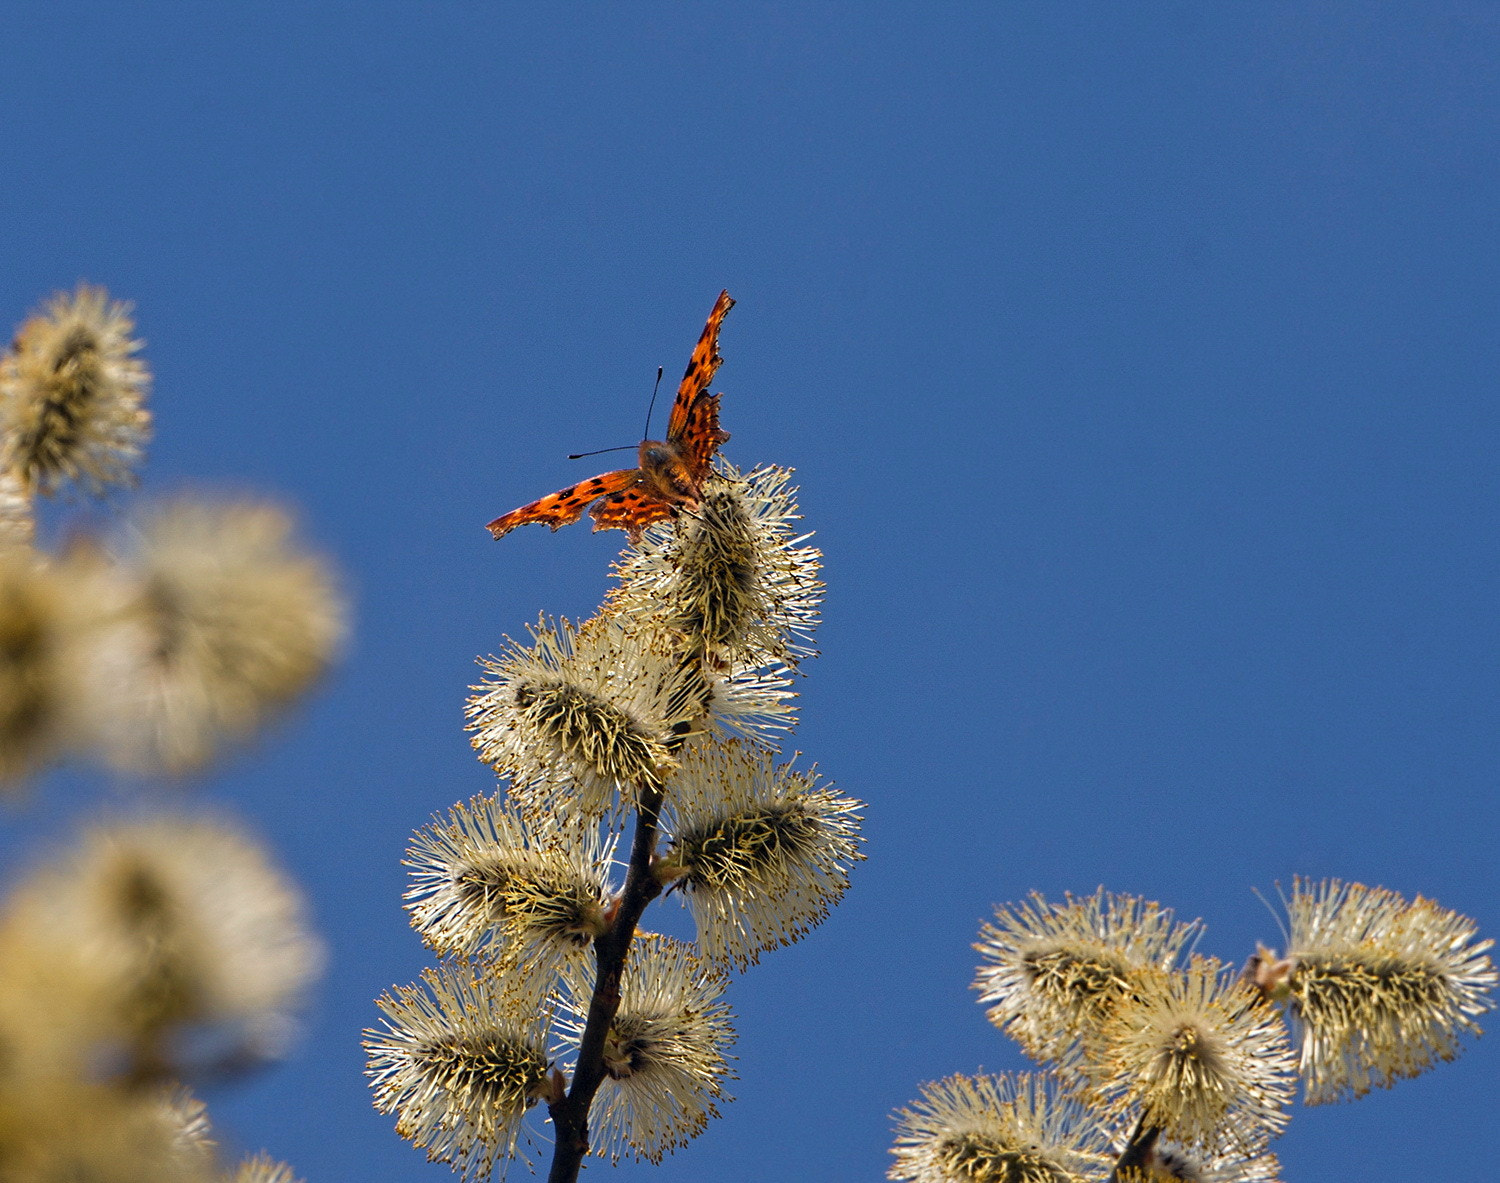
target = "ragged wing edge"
x: 701, y: 367
x: 565, y: 506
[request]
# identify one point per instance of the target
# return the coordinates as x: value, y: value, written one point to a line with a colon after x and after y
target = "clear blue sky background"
x: 1138, y: 363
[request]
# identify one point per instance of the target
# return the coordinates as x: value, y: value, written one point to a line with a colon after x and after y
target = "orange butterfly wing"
x: 567, y: 505
x: 631, y: 510
x: 623, y: 504
x: 694, y: 424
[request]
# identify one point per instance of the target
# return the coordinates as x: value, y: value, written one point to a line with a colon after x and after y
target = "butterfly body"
x: 665, y: 472
x: 670, y: 474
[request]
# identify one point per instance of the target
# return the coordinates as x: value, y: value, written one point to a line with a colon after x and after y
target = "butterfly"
x: 671, y: 472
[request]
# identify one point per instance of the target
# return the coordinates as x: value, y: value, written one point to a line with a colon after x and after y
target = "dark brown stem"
x: 1137, y: 1154
x: 570, y: 1116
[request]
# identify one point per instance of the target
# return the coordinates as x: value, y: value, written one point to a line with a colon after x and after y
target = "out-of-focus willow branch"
x: 160, y: 947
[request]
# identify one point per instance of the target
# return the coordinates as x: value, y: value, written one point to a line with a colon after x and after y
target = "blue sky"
x: 1138, y: 363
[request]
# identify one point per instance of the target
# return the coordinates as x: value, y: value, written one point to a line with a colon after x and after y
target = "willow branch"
x: 1137, y: 1154
x: 570, y: 1116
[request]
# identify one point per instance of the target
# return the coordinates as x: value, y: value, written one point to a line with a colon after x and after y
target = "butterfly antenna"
x: 645, y: 435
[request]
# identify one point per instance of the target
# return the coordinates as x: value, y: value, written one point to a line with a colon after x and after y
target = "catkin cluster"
x: 1164, y: 1065
x: 158, y: 948
x: 639, y: 755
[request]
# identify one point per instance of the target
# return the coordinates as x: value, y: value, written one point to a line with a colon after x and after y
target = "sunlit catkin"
x: 72, y: 396
x: 733, y: 580
x: 459, y: 1063
x: 1380, y: 988
x: 666, y: 1054
x: 761, y: 852
x: 1053, y: 972
x: 1197, y: 1054
x: 581, y: 714
x: 1011, y: 1128
x: 526, y: 893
